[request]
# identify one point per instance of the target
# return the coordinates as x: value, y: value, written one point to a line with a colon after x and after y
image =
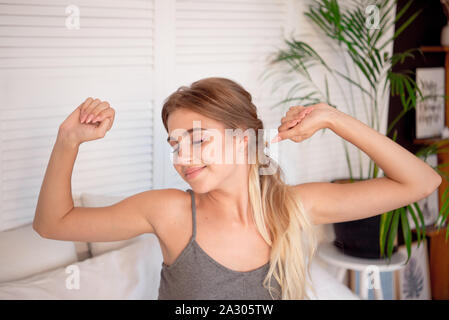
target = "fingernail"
x: 276, y: 138
x: 89, y: 118
x: 95, y: 120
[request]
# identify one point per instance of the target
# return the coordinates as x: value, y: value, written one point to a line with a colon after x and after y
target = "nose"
x: 186, y: 154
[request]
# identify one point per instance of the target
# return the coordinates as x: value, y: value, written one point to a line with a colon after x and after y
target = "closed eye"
x: 194, y: 142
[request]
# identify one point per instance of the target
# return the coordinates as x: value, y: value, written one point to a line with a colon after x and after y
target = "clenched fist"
x: 89, y: 121
x: 302, y: 122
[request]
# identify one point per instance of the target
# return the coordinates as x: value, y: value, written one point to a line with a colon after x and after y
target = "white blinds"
x: 47, y: 70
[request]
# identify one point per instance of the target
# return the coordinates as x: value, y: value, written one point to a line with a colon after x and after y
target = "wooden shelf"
x: 434, y: 49
x: 432, y: 230
x: 429, y: 140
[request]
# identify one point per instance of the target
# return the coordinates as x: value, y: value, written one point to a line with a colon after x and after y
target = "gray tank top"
x: 194, y: 275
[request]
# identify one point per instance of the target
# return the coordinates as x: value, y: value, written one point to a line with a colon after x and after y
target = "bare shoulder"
x: 309, y: 194
x: 165, y: 206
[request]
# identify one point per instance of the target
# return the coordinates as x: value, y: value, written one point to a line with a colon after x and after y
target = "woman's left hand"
x: 301, y: 122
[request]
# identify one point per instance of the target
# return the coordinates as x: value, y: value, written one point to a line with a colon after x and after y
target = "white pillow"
x: 23, y: 252
x: 132, y: 272
x: 100, y: 200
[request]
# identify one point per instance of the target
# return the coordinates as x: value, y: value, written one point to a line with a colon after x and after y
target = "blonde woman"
x: 238, y: 232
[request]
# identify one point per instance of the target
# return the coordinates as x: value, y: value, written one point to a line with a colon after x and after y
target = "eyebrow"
x: 187, y: 131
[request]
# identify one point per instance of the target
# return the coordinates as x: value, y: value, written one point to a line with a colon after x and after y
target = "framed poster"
x: 414, y: 278
x: 429, y: 205
x: 430, y: 111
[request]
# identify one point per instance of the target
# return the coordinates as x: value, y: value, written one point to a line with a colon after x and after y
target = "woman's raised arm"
x: 407, y: 177
x: 57, y: 218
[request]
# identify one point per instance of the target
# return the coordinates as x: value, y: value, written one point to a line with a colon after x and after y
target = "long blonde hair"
x: 290, y: 233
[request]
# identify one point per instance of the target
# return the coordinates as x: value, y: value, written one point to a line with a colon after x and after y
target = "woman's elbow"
x: 433, y: 183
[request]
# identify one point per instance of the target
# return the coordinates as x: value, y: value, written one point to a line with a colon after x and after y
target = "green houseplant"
x: 367, y: 69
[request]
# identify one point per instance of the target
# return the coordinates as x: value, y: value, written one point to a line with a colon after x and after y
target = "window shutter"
x: 47, y: 70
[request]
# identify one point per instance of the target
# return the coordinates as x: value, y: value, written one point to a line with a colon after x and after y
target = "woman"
x: 239, y: 232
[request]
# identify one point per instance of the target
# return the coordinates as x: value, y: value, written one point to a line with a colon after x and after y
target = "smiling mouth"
x: 194, y: 172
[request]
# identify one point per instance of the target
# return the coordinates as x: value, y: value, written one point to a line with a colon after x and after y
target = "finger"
x: 290, y: 117
x: 285, y: 135
x: 106, y: 113
x: 95, y: 111
x: 295, y: 116
x: 288, y: 124
x: 289, y: 128
x: 104, y: 126
x: 84, y: 105
x: 295, y: 110
x: 86, y: 110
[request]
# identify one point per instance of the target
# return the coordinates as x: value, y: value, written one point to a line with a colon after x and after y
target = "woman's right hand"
x: 89, y: 121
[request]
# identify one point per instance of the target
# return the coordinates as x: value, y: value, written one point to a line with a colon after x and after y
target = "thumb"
x: 103, y: 127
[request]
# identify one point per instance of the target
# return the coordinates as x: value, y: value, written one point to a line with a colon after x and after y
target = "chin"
x: 200, y: 186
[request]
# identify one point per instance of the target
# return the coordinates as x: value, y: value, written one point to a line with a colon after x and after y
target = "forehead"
x: 187, y: 119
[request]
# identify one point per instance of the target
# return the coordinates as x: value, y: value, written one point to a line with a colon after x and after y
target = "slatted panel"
x: 48, y: 70
x: 226, y: 31
x: 33, y: 34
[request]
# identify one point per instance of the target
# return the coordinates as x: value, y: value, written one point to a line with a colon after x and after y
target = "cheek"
x: 212, y: 154
x: 178, y: 168
x: 219, y: 172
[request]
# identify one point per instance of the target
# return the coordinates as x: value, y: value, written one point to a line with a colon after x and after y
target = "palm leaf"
x: 385, y: 221
x: 393, y: 232
x: 421, y: 218
x: 415, y: 220
x: 406, y: 233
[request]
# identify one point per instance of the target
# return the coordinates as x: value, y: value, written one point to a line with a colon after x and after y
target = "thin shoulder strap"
x: 192, y: 197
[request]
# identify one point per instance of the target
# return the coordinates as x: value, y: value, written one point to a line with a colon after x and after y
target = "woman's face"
x: 205, y: 154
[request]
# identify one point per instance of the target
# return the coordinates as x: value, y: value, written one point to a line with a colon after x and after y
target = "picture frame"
x: 430, y: 112
x: 414, y: 278
x: 430, y: 204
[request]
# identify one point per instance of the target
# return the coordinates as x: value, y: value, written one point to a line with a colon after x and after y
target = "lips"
x: 192, y: 170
